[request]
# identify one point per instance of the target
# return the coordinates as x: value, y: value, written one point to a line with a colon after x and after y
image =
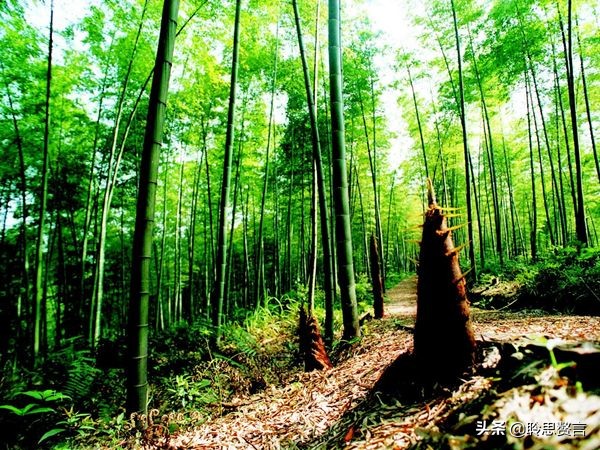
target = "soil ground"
x: 344, y: 407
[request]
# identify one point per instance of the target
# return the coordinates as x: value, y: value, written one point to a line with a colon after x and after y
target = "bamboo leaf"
x: 49, y: 434
x: 40, y: 410
x: 11, y: 408
x: 38, y: 395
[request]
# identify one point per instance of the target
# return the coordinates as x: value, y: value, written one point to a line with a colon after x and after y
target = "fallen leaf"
x: 349, y: 434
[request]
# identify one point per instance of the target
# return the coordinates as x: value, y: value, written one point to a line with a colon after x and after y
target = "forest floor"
x: 531, y: 399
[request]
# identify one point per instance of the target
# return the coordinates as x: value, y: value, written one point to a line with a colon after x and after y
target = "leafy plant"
x: 47, y: 396
x: 73, y: 423
x: 40, y: 413
x: 29, y: 409
x: 187, y: 392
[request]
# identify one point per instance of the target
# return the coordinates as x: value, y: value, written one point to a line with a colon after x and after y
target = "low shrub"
x: 565, y: 280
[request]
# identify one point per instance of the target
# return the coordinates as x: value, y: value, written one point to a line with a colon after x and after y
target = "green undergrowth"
x: 76, y: 399
x: 566, y: 280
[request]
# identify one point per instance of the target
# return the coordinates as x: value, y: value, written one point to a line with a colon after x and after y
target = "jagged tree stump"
x: 376, y: 278
x: 444, y: 343
x: 312, y: 347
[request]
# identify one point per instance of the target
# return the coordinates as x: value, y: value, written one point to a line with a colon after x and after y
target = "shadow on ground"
x: 404, y: 411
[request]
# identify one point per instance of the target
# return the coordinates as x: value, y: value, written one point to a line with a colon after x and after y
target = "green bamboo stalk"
x: 340, y: 180
x: 218, y: 292
x: 137, y: 370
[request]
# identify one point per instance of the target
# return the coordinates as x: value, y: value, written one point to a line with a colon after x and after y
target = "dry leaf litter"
x: 314, y: 404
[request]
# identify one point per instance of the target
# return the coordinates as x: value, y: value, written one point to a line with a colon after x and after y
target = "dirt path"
x: 313, y: 402
x: 333, y: 408
x: 402, y: 299
x: 513, y: 326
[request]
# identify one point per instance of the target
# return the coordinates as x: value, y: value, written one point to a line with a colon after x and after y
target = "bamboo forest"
x: 299, y: 224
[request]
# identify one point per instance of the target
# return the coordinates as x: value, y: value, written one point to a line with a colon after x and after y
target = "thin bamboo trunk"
x: 438, y: 135
x: 389, y: 220
x: 340, y: 180
x: 208, y: 192
x: 567, y: 146
x: 39, y: 299
x: 289, y: 225
x: 376, y: 281
x: 580, y: 222
x: 533, y: 221
x: 418, y: 117
x: 218, y: 291
x: 90, y: 197
x: 236, y: 190
x: 259, y: 285
x: 588, y: 110
x: 541, y: 167
x: 320, y: 177
x: 177, y: 268
x: 247, y: 286
x: 463, y: 122
x: 373, y: 167
x: 113, y: 167
x: 563, y: 212
x: 377, y: 188
x: 553, y: 233
x: 490, y: 155
x: 192, y: 237
x: 312, y: 274
x: 367, y: 262
x: 62, y: 289
x: 137, y: 370
x: 24, y: 300
x: 161, y: 258
x: 480, y: 222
